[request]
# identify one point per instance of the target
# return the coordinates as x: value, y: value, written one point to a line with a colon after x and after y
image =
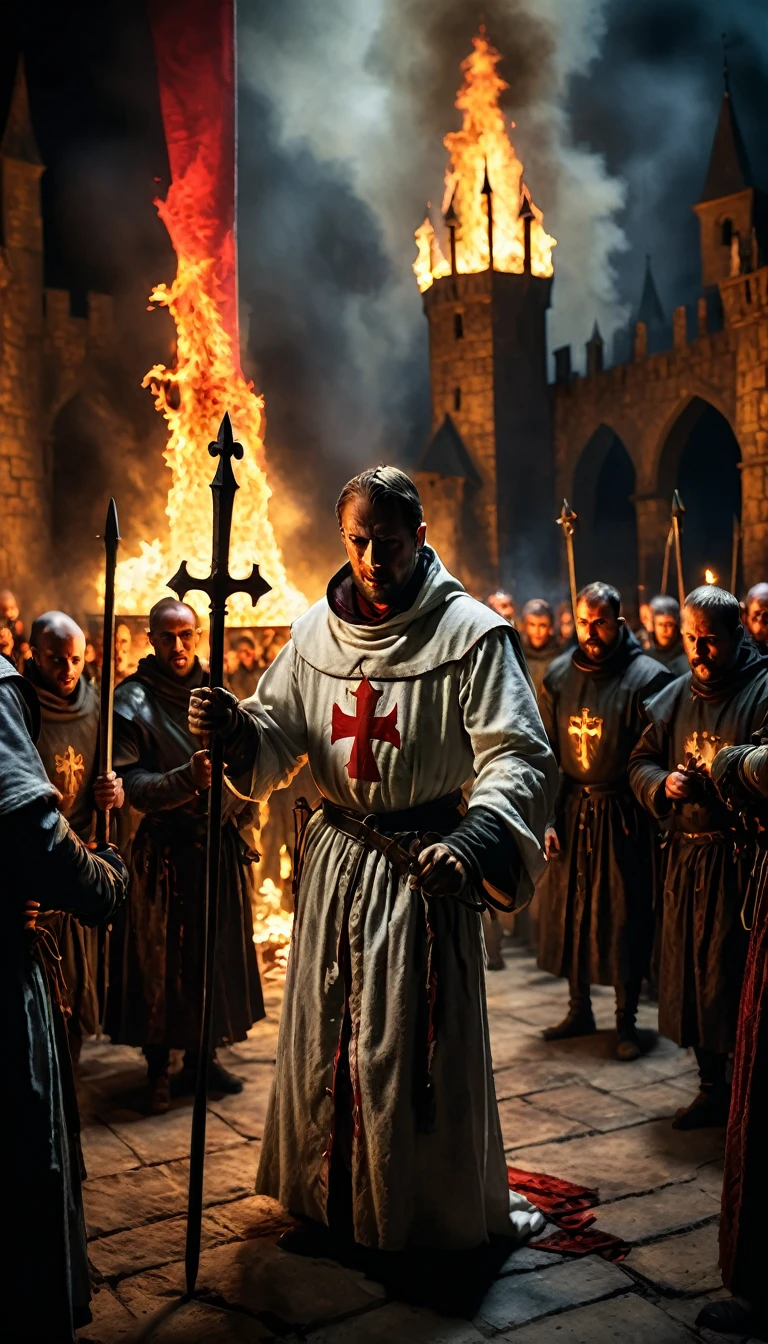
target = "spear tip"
x: 678, y: 507
x: 111, y: 526
x: 567, y: 514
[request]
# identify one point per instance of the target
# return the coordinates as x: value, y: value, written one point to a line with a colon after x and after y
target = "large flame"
x: 483, y: 139
x: 272, y: 924
x: 193, y: 395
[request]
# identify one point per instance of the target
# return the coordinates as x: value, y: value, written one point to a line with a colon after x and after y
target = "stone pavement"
x: 568, y: 1109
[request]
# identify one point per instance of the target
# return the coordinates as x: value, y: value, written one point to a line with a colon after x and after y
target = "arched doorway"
x: 603, y: 489
x: 701, y: 459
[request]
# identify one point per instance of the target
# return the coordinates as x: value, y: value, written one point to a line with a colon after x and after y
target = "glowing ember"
x: 272, y: 924
x: 204, y: 382
x: 483, y: 139
x: 710, y: 576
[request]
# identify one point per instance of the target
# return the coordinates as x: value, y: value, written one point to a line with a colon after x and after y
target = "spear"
x: 566, y: 521
x: 219, y: 586
x: 678, y: 509
x: 111, y: 540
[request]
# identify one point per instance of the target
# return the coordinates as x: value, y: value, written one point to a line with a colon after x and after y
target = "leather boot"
x: 628, y: 1045
x: 579, y: 1020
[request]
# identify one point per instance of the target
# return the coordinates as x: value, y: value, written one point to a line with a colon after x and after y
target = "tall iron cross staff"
x: 219, y: 586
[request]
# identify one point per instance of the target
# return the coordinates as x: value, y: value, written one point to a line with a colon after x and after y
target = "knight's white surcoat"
x: 390, y: 717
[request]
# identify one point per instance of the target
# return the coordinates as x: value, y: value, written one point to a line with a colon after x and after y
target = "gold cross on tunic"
x: 72, y: 766
x: 587, y: 729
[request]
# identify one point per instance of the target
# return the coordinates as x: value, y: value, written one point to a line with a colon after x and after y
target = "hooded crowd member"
x: 566, y: 628
x: 69, y: 749
x: 244, y: 678
x: 158, y: 1003
x: 707, y: 857
x: 666, y: 642
x: 44, y: 864
x: 740, y: 775
x: 383, y: 1123
x: 540, y: 643
x: 10, y: 621
x: 503, y: 604
x: 596, y: 898
x: 756, y: 616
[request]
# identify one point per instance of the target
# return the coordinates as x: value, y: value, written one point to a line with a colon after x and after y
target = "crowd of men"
x: 654, y: 840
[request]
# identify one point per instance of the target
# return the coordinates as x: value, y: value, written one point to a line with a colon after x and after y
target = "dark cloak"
x: 596, y: 897
x: 68, y: 748
x: 673, y: 657
x: 707, y: 855
x: 157, y: 998
x: 539, y: 661
x: 745, y: 1182
x: 45, y: 1265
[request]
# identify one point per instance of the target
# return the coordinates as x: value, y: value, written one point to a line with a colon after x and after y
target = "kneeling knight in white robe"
x: 383, y: 1115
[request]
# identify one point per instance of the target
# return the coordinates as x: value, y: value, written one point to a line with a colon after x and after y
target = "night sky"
x: 341, y: 118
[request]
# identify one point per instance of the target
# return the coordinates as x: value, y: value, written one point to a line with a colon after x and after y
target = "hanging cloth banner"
x: 194, y: 42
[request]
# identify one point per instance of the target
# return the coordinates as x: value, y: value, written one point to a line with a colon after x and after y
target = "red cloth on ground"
x: 745, y: 1183
x: 570, y: 1206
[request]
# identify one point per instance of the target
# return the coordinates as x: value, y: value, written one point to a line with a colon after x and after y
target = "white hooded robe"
x: 391, y: 716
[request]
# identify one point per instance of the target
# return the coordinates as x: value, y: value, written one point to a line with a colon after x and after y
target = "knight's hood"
x: 441, y: 626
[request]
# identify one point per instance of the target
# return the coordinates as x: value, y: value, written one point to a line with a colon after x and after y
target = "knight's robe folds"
x: 707, y: 856
x: 384, y: 1004
x: 46, y: 1290
x: 155, y: 999
x: 68, y: 748
x: 596, y: 898
x: 741, y: 776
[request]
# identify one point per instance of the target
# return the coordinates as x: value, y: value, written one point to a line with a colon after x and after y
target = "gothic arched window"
x: 726, y: 232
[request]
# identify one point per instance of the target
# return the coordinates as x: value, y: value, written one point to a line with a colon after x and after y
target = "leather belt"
x: 395, y: 848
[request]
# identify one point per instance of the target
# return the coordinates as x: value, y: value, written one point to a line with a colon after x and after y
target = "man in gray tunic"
x: 396, y: 687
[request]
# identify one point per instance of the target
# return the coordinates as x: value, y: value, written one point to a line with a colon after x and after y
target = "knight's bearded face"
x: 597, y: 629
x: 710, y: 646
x: 381, y: 549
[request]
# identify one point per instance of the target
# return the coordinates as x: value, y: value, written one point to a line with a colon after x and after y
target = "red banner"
x: 194, y: 44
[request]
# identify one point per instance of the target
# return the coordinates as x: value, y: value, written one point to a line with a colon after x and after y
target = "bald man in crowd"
x: 69, y: 749
x: 756, y: 616
x: 157, y: 1004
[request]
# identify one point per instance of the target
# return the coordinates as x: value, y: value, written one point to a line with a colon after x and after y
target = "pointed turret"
x: 594, y: 352
x: 729, y: 171
x: 487, y: 192
x: 18, y: 140
x: 650, y: 311
x: 727, y: 209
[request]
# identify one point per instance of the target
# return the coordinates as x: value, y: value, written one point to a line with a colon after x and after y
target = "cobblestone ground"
x: 569, y: 1109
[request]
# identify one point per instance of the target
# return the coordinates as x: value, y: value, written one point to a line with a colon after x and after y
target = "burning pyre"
x: 482, y: 146
x: 192, y: 395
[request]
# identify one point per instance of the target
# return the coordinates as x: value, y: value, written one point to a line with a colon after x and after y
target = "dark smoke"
x: 342, y: 112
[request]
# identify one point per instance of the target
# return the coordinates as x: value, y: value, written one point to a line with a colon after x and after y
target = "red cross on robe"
x: 365, y: 727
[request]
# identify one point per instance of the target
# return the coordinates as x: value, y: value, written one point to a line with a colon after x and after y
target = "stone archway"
x: 603, y: 497
x: 700, y: 457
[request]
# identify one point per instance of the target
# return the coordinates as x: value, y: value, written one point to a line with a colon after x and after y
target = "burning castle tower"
x: 686, y: 405
x: 486, y: 473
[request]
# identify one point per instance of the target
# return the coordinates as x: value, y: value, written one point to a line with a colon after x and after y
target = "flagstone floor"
x: 568, y: 1109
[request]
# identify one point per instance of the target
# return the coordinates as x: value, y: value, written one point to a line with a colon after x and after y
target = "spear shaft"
x: 665, y: 567
x: 566, y: 521
x: 111, y: 541
x: 219, y: 586
x: 678, y: 510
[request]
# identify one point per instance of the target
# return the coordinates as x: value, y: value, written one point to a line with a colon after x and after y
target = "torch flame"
x: 193, y: 395
x: 710, y: 576
x: 483, y: 141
